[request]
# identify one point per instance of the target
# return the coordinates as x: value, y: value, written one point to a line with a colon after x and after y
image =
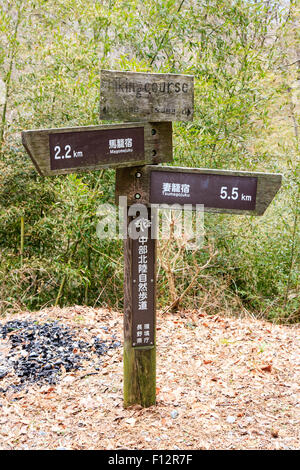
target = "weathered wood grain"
x: 152, y: 143
x: 135, y: 183
x: 137, y: 96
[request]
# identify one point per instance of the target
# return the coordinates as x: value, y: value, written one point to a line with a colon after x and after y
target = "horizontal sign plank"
x: 214, y: 191
x: 69, y: 150
x: 137, y: 96
x: 224, y: 191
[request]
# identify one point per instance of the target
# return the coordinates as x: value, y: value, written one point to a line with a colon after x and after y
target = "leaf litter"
x: 232, y: 383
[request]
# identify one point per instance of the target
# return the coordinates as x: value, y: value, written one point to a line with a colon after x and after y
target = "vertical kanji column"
x: 140, y: 312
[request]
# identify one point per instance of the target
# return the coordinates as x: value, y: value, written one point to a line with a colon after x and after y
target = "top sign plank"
x: 152, y: 97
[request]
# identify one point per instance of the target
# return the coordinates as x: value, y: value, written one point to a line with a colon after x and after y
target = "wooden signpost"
x: 135, y: 148
x: 65, y: 150
x: 220, y: 191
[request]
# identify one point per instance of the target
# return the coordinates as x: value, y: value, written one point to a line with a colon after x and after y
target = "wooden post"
x: 140, y: 318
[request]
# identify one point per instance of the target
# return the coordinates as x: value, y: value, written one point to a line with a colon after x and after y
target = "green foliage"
x: 246, y: 117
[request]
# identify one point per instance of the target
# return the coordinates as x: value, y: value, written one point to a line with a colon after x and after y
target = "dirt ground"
x: 222, y: 383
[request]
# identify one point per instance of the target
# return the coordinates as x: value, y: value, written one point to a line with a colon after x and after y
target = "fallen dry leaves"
x: 222, y: 383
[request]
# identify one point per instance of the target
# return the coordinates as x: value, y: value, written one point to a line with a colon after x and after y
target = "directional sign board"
x: 66, y: 150
x: 236, y: 192
x: 154, y: 97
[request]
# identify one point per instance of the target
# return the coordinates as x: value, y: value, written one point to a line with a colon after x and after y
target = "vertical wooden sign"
x: 140, y: 314
x: 143, y: 298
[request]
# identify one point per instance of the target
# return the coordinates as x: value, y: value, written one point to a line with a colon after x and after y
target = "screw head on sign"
x: 137, y: 196
x: 138, y: 174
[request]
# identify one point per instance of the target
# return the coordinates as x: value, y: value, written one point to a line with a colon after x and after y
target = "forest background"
x: 245, y: 56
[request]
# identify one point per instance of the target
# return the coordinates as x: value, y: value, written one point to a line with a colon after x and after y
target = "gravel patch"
x: 39, y: 352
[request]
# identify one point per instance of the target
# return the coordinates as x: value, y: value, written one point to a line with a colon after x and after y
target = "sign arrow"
x: 75, y: 149
x: 223, y: 191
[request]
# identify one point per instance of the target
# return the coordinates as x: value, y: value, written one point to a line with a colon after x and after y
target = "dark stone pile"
x: 39, y: 352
